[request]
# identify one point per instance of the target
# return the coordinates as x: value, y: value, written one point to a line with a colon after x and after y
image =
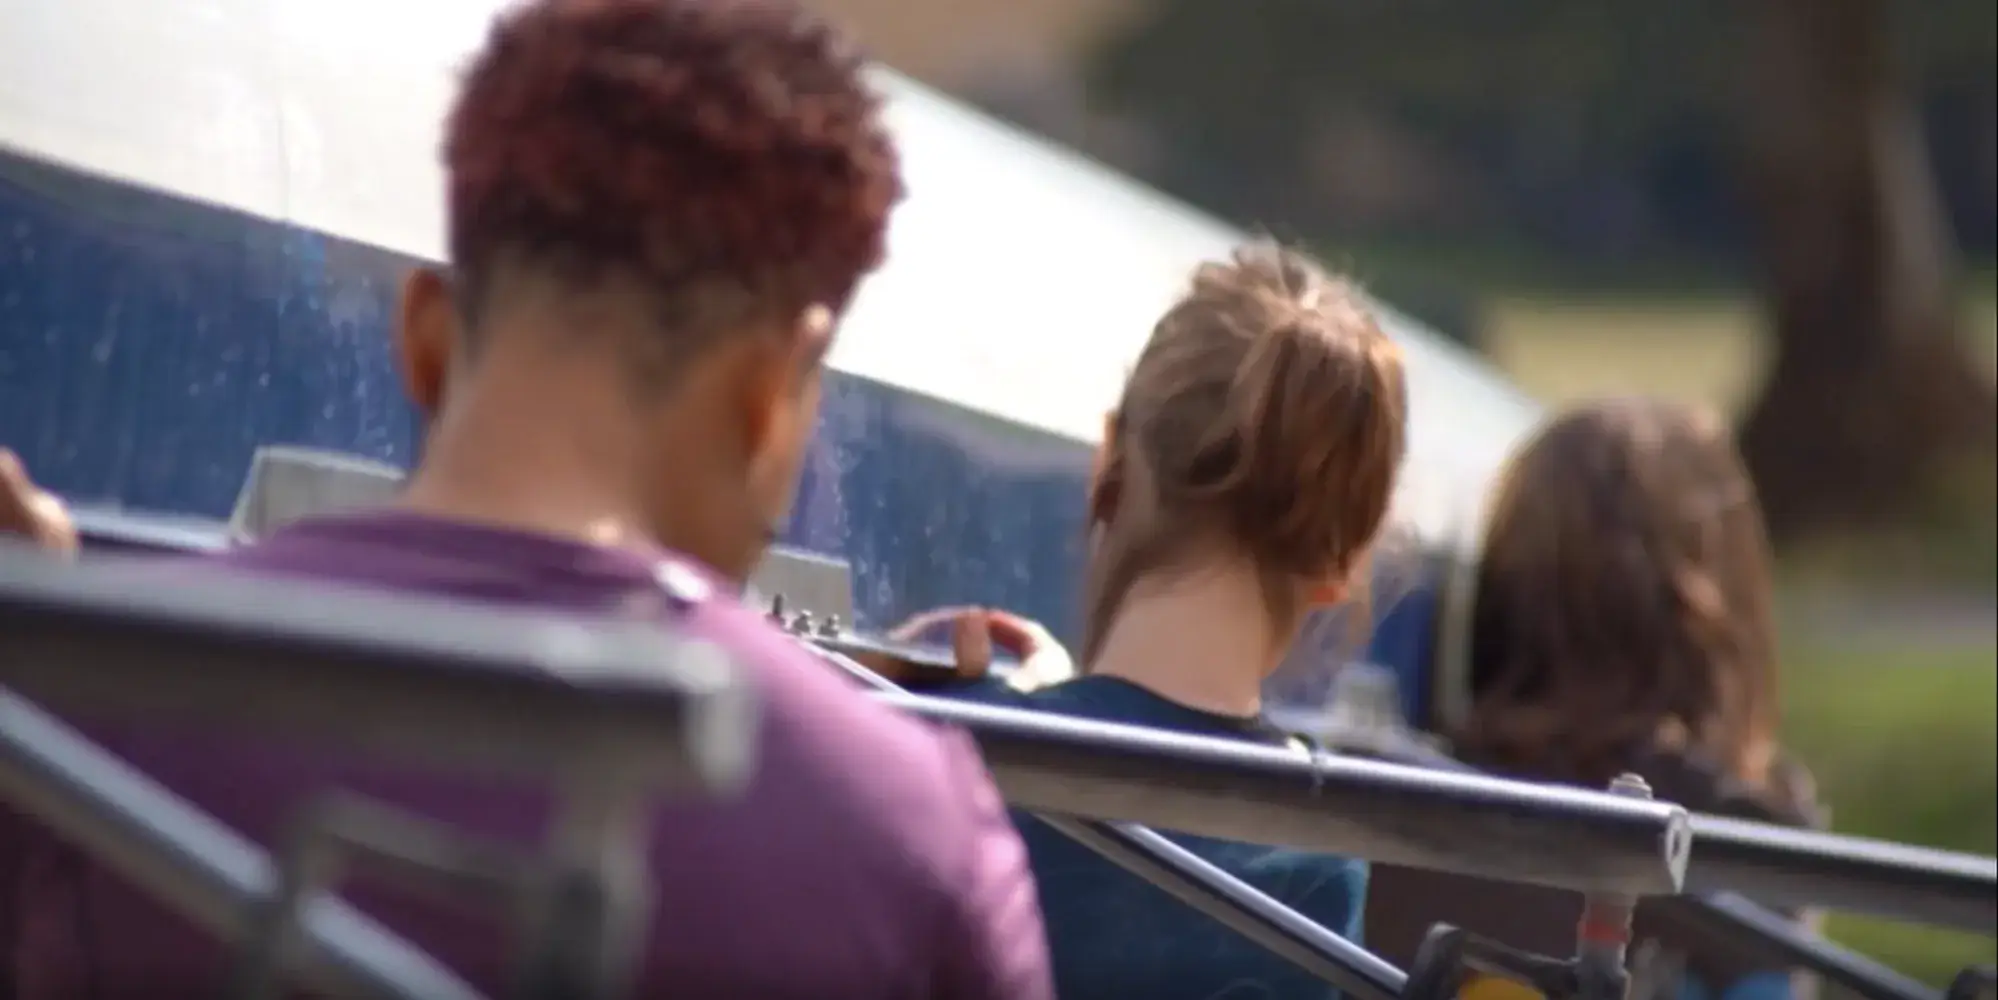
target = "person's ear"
x: 807, y: 347
x: 1102, y: 455
x: 780, y: 392
x: 780, y: 385
x: 427, y: 337
x: 1105, y: 477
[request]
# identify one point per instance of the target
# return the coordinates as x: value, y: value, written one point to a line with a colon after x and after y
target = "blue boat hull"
x: 149, y: 344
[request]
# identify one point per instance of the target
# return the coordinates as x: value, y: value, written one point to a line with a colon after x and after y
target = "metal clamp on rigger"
x: 1451, y: 957
x: 1979, y: 982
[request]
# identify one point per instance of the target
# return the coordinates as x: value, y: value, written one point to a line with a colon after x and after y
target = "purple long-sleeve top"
x: 870, y: 858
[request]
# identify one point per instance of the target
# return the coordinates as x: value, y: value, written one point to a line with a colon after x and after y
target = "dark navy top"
x: 1115, y: 935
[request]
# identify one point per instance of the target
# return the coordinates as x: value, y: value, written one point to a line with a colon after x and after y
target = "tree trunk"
x: 1871, y: 393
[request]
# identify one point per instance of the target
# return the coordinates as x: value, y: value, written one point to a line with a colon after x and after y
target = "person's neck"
x: 1202, y: 640
x: 497, y: 457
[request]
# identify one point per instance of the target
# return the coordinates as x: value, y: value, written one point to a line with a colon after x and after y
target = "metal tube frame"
x: 1780, y: 866
x: 1917, y: 883
x: 439, y: 683
x: 1471, y: 824
x: 1349, y: 966
x: 1105, y: 771
x: 186, y: 859
x: 1776, y: 865
x: 1779, y: 940
x: 616, y: 712
x: 1788, y: 944
x: 1210, y: 890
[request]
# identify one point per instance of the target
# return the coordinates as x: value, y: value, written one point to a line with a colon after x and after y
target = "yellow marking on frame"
x: 1496, y: 988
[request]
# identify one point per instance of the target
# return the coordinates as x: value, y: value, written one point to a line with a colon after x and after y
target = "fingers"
x: 52, y: 526
x: 971, y: 644
x: 14, y: 482
x: 970, y: 639
x: 29, y: 511
x: 913, y: 629
x: 1014, y: 633
x: 976, y: 632
x: 1021, y: 636
x: 971, y: 636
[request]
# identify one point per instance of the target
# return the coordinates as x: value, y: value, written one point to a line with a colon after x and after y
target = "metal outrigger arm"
x: 612, y: 715
x: 1943, y: 887
x: 1781, y: 866
x: 1595, y: 973
x: 1390, y: 813
x: 1457, y: 821
x: 1440, y: 815
x: 1979, y: 982
x: 198, y: 866
x: 449, y: 686
x: 1776, y: 940
x: 1785, y: 943
x: 1194, y: 786
x: 1201, y: 885
x: 434, y: 682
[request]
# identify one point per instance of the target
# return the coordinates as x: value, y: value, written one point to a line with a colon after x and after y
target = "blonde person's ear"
x: 1106, y: 474
x: 1101, y: 456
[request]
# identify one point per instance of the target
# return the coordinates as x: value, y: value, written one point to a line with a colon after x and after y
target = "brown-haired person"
x: 657, y: 211
x: 1622, y: 623
x: 1242, y: 480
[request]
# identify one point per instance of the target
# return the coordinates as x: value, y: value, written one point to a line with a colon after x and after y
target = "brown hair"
x: 1264, y: 418
x: 1623, y: 602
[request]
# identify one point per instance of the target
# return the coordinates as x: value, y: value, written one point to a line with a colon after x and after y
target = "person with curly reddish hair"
x: 658, y: 211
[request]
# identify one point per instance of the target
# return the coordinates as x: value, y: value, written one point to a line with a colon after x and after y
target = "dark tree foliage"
x: 1871, y: 396
x: 1785, y: 133
x: 1535, y: 91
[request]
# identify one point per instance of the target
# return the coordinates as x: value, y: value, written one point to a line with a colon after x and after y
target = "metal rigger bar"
x: 612, y: 714
x: 1206, y: 888
x: 456, y: 687
x: 179, y: 854
x: 1779, y: 866
x: 429, y: 681
x: 1391, y: 813
x: 1457, y: 821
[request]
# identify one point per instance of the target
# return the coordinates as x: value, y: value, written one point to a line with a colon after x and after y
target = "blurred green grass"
x: 1904, y: 742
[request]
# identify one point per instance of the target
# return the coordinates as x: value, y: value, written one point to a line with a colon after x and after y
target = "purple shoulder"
x: 919, y: 810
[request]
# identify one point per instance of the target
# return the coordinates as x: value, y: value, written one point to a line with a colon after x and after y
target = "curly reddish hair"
x: 687, y: 146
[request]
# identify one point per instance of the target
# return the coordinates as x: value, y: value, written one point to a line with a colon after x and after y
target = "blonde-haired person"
x: 1243, y: 478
